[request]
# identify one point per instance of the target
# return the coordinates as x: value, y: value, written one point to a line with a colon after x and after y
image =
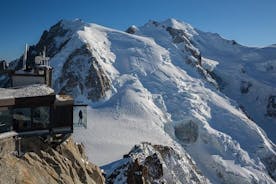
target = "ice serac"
x: 247, y: 75
x: 147, y: 163
x: 170, y: 84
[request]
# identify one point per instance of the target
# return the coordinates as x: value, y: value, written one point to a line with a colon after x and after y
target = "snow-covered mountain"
x: 168, y: 83
x: 154, y: 164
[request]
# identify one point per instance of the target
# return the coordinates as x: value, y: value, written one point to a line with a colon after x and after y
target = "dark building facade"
x: 35, y: 108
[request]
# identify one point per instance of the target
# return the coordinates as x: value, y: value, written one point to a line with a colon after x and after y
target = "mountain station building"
x: 30, y: 106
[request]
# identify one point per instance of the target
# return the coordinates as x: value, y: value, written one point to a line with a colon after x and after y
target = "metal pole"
x: 18, y: 145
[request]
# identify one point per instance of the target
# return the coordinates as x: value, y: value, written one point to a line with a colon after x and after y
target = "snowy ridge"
x: 162, y: 92
x: 157, y: 164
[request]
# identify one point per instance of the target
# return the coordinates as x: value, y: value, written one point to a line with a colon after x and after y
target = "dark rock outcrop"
x: 180, y: 36
x: 271, y: 106
x: 194, y: 58
x: 48, y: 40
x: 147, y: 163
x: 131, y: 29
x: 75, y: 75
x: 270, y: 163
x: 245, y: 86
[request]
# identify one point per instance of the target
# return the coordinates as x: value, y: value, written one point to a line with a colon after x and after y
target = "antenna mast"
x: 24, y: 67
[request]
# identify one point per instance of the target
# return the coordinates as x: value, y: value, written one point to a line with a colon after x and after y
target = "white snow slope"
x: 161, y: 94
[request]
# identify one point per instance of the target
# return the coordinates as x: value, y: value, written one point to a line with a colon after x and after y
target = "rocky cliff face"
x: 82, y: 75
x: 43, y: 164
x: 147, y: 163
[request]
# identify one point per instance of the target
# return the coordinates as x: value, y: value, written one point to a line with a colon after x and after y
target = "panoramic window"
x: 22, y: 119
x: 41, y: 117
x: 5, y: 119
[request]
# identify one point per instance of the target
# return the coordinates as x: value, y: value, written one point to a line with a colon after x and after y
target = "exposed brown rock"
x: 147, y: 163
x: 42, y: 164
x: 136, y: 173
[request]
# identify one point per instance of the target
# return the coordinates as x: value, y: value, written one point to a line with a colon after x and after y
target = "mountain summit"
x: 168, y: 83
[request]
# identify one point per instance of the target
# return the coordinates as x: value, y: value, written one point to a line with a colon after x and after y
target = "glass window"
x: 41, y: 117
x: 22, y: 119
x: 5, y: 119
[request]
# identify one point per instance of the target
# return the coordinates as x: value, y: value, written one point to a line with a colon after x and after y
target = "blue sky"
x: 250, y: 22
